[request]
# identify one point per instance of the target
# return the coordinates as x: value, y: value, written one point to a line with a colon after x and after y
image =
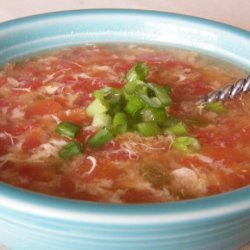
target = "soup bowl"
x: 30, y: 220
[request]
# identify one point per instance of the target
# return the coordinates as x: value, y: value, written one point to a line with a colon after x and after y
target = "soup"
x: 121, y: 124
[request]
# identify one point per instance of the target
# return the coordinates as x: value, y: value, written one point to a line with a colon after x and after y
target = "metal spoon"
x: 230, y: 91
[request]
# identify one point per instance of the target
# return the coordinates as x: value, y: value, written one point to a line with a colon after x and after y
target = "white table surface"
x: 233, y: 12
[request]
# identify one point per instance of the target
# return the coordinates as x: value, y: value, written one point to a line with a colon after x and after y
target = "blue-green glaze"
x: 39, y: 222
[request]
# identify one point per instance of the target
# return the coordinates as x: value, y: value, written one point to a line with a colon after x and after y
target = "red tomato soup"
x: 162, y: 146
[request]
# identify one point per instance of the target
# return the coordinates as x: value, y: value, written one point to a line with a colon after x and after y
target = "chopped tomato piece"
x: 31, y: 141
x: 35, y: 173
x: 138, y: 196
x: 227, y: 155
x: 43, y: 107
x: 77, y: 116
x: 67, y: 186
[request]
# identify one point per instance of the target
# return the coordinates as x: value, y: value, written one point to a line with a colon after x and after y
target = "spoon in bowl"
x: 230, y: 91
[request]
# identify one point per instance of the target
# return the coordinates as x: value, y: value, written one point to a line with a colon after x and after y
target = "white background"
x: 233, y: 12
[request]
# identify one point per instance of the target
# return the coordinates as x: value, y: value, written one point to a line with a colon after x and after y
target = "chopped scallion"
x: 186, y: 144
x: 136, y: 86
x: 216, y: 107
x: 101, y: 120
x: 120, y: 123
x: 100, y: 138
x: 108, y: 95
x: 138, y: 72
x: 161, y: 93
x: 178, y: 129
x: 67, y: 129
x: 170, y: 122
x: 71, y: 149
x: 151, y: 102
x: 139, y: 106
x: 134, y: 105
x: 96, y: 107
x: 157, y: 115
x: 148, y: 128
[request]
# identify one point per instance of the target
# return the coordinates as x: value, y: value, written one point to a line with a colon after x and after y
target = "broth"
x: 38, y: 93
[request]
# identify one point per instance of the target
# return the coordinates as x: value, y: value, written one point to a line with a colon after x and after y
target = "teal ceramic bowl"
x: 34, y: 221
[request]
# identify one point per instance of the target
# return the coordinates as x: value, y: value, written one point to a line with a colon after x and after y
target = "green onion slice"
x: 138, y: 72
x: 120, y: 123
x: 216, y: 107
x: 67, y: 129
x: 134, y: 105
x: 100, y: 138
x: 178, y: 129
x: 132, y: 88
x: 151, y: 114
x: 151, y: 102
x: 186, y: 144
x: 101, y: 120
x: 148, y: 128
x: 108, y: 95
x: 71, y: 149
x: 139, y: 106
x: 170, y: 122
x: 161, y: 93
x: 97, y: 107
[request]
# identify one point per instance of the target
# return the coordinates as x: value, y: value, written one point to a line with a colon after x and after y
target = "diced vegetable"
x: 67, y: 129
x: 131, y: 88
x: 216, y: 107
x: 120, y: 123
x: 140, y: 106
x: 134, y: 105
x: 157, y: 115
x: 115, y: 109
x: 108, y: 95
x: 96, y: 107
x: 186, y: 144
x: 151, y: 102
x: 138, y: 72
x: 161, y: 93
x: 148, y: 128
x: 170, y: 122
x: 101, y: 120
x: 71, y: 149
x: 100, y: 138
x: 178, y: 129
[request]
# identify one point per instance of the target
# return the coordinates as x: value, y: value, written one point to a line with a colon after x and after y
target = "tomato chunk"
x: 43, y: 107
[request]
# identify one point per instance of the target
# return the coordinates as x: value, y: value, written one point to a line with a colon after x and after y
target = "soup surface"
x: 39, y: 93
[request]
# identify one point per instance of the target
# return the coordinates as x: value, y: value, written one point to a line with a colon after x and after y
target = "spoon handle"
x: 228, y: 92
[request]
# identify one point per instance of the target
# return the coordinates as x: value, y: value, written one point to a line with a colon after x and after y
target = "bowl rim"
x: 213, y: 207
x: 56, y: 14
